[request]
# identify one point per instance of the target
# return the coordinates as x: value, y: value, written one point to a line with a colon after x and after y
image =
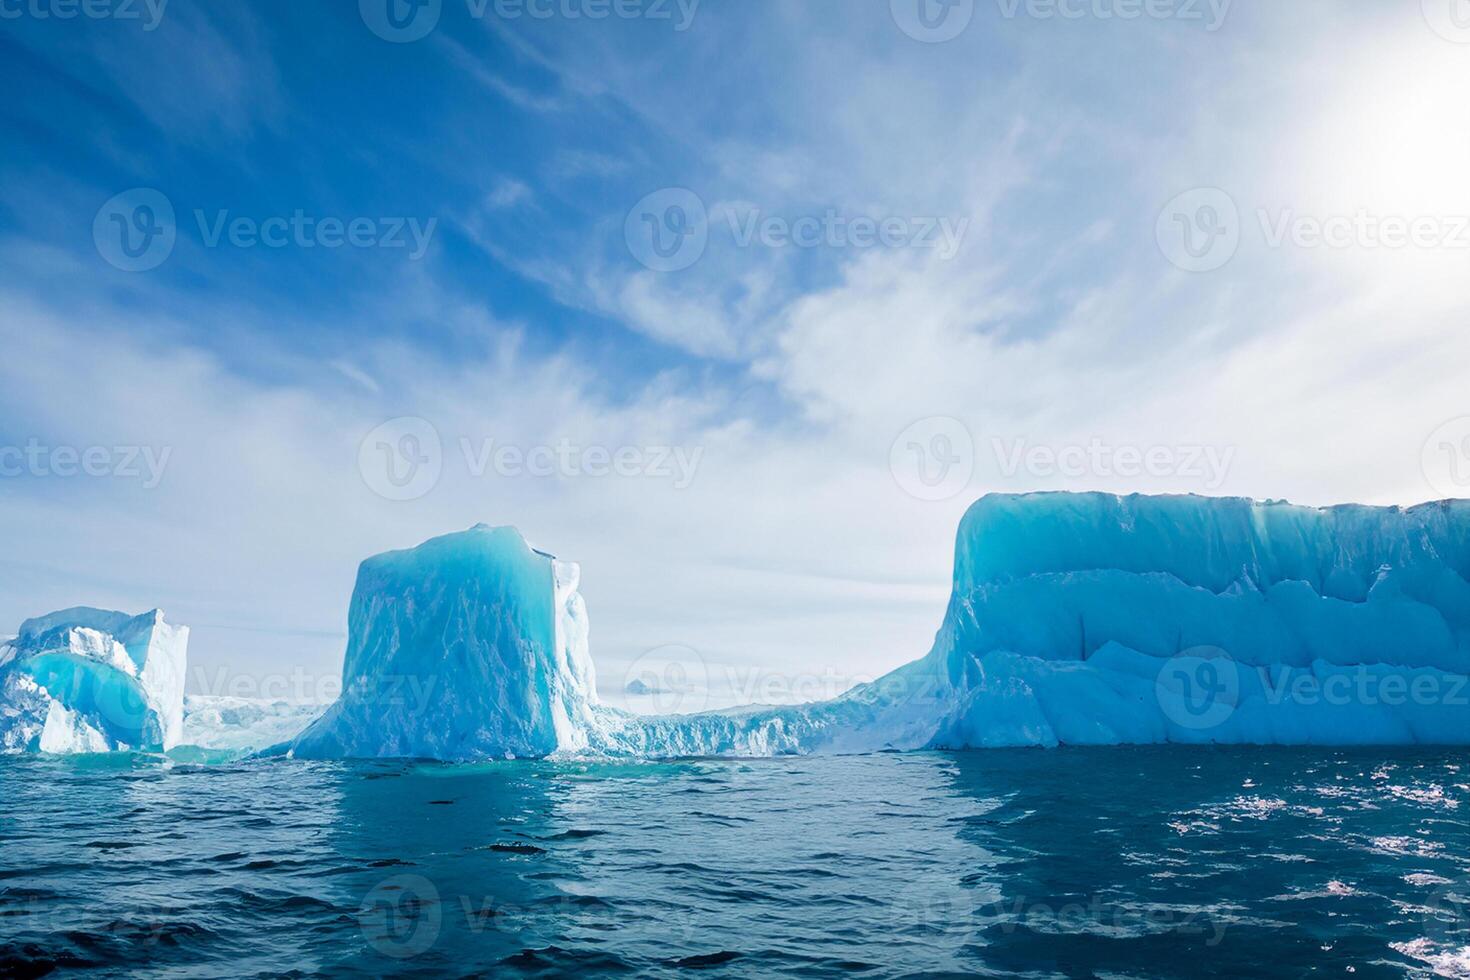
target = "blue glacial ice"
x: 472, y: 645
x: 88, y: 680
x: 1075, y: 619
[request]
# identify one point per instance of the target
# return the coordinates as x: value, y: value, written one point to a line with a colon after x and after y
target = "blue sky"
x: 1033, y: 301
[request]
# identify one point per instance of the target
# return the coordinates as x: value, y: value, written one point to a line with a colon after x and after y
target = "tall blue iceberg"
x: 472, y: 645
x: 1075, y: 619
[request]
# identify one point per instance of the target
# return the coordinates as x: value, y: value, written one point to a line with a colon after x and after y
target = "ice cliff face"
x: 1075, y: 619
x: 1089, y: 618
x: 87, y: 680
x: 472, y: 645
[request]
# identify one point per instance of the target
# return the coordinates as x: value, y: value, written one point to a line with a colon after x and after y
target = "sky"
x: 738, y: 304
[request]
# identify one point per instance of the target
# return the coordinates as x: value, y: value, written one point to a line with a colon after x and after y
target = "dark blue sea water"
x: 1159, y: 862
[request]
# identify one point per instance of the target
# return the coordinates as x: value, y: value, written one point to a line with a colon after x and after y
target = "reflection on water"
x: 1109, y: 862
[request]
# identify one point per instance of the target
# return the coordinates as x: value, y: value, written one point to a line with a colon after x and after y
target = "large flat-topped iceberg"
x: 1075, y: 619
x: 1090, y: 618
x: 89, y: 680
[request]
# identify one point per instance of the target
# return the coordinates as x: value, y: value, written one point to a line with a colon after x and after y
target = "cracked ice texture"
x: 89, y: 680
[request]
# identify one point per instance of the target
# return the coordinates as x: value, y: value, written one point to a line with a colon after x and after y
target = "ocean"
x: 1109, y: 863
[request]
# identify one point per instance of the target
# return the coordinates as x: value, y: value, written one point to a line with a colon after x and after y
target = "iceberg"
x: 470, y: 646
x: 89, y: 680
x: 1075, y: 619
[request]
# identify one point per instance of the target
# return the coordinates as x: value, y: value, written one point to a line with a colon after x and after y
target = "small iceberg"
x: 89, y: 680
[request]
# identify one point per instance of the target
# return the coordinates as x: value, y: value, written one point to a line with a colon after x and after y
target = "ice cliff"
x: 1075, y: 619
x: 1097, y: 619
x: 87, y: 680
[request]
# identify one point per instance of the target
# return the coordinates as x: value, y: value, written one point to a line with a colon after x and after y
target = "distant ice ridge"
x: 1075, y: 619
x: 235, y: 726
x: 88, y: 680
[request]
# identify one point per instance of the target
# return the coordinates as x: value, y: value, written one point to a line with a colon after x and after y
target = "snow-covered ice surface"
x: 89, y: 680
x: 1075, y: 619
x: 233, y: 726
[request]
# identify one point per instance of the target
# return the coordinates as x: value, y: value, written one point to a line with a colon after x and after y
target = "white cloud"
x: 1059, y: 322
